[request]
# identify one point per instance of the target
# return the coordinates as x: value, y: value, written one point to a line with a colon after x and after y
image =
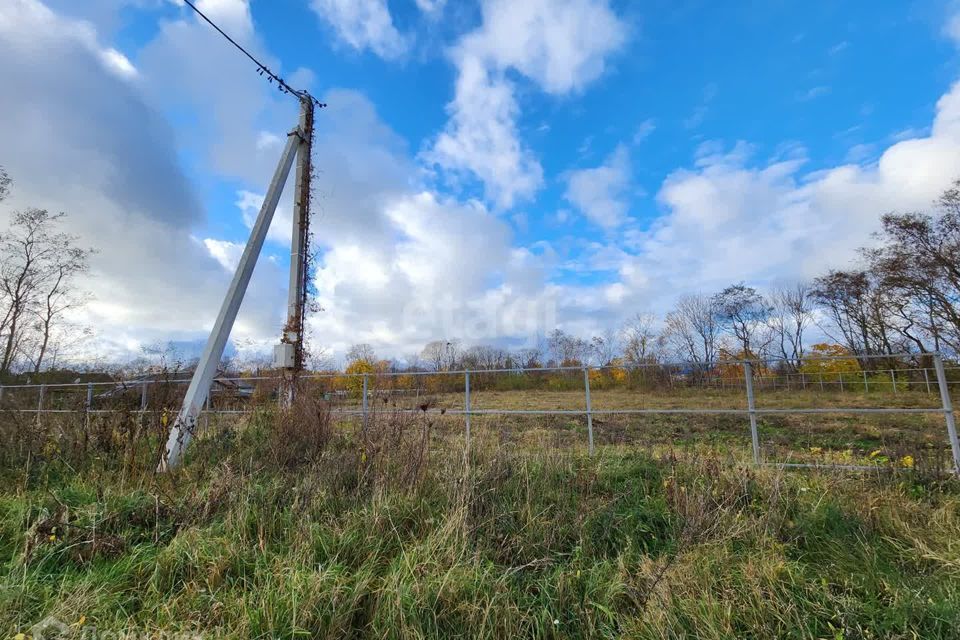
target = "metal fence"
x: 351, y: 394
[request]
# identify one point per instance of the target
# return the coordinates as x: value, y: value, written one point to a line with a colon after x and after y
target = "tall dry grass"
x: 289, y: 524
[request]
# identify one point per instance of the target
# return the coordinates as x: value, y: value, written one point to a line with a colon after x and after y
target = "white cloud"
x: 402, y: 264
x: 267, y: 140
x: 951, y: 27
x: 67, y: 136
x: 119, y: 63
x: 838, y: 48
x: 561, y: 45
x: 431, y: 282
x: 813, y: 93
x: 731, y: 218
x: 229, y: 104
x: 399, y: 265
x: 860, y: 153
x: 431, y: 7
x: 233, y: 16
x: 226, y: 253
x: 481, y: 136
x: 281, y: 227
x: 601, y: 193
x: 363, y: 24
x: 644, y: 130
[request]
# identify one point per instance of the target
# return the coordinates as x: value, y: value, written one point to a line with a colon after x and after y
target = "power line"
x: 262, y: 69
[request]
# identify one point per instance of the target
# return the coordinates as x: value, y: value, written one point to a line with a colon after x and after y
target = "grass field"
x: 284, y: 525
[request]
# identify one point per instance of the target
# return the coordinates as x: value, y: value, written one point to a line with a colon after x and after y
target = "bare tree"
x: 567, y: 350
x: 791, y: 314
x: 60, y: 295
x: 442, y: 355
x: 641, y: 342
x: 485, y: 357
x: 4, y: 184
x: 692, y: 330
x: 38, y: 268
x: 531, y: 357
x: 743, y: 312
x: 361, y: 352
x: 433, y: 354
x: 606, y: 347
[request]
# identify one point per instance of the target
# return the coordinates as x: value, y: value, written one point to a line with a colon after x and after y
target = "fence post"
x: 820, y: 375
x: 88, y: 407
x: 586, y: 386
x: 893, y: 379
x: 365, y: 384
x: 752, y: 409
x: 841, y: 382
x: 926, y: 378
x: 948, y: 411
x: 466, y: 406
x: 43, y: 391
x: 866, y: 384
x: 143, y: 396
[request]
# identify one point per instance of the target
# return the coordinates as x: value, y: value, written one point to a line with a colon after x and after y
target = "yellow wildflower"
x: 875, y: 453
x: 907, y: 461
x: 816, y: 449
x: 20, y: 636
x: 79, y: 623
x: 53, y: 538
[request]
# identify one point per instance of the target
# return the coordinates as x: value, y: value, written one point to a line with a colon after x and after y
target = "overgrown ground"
x: 287, y: 525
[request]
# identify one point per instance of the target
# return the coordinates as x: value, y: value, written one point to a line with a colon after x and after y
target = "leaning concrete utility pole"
x: 186, y: 422
x: 289, y: 355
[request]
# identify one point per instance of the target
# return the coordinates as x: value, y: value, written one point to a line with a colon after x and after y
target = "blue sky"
x: 486, y: 170
x: 836, y: 78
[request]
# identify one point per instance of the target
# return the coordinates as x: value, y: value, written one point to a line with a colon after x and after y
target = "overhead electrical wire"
x: 262, y: 69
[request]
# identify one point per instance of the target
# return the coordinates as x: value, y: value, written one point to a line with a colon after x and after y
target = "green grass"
x: 285, y: 526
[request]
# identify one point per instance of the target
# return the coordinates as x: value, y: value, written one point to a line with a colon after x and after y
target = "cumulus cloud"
x: 735, y: 217
x: 561, y: 45
x: 401, y: 263
x: 601, y: 193
x: 188, y: 68
x: 82, y: 138
x: 365, y: 24
x: 225, y: 252
x: 398, y: 266
x: 482, y: 138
